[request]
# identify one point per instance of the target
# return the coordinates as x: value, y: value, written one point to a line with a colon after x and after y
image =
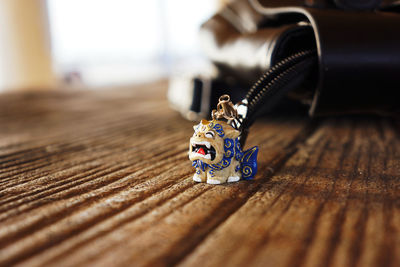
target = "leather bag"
x: 357, y: 42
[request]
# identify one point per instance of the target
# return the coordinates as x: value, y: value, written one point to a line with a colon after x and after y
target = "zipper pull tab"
x: 242, y: 111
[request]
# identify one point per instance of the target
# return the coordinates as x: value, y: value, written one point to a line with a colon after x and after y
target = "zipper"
x: 284, y: 76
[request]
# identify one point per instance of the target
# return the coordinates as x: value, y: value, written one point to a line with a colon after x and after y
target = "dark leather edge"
x: 359, y: 57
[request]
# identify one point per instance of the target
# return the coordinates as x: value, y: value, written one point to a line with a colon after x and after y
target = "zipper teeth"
x: 275, y: 78
x: 293, y: 59
x: 281, y: 79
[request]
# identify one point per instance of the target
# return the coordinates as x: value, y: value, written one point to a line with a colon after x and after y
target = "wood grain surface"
x: 102, y: 178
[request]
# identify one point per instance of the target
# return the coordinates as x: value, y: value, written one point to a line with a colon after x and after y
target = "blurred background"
x: 49, y: 44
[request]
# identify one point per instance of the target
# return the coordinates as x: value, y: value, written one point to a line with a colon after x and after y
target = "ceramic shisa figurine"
x: 215, y: 149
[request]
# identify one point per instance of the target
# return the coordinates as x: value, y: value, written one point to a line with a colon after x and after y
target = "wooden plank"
x: 328, y: 213
x: 102, y: 178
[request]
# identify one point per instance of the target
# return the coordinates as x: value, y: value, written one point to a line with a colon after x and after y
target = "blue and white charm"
x: 216, y: 153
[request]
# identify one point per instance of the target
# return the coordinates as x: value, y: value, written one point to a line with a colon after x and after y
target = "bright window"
x: 123, y: 41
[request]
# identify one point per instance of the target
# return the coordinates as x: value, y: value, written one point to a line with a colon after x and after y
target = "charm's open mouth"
x: 203, y: 149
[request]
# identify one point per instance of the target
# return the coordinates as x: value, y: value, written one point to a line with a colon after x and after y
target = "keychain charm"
x: 215, y: 147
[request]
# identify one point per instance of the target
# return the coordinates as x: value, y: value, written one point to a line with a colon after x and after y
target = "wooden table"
x: 102, y: 178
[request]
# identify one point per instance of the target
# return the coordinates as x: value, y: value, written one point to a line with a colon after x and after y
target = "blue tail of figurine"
x: 248, y: 163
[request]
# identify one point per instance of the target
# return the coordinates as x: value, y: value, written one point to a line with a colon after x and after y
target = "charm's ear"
x: 196, y: 127
x: 204, y: 122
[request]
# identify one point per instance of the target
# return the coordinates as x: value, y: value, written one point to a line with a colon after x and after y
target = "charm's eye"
x: 209, y: 134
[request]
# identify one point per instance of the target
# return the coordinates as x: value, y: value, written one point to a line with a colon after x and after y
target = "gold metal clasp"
x: 225, y: 109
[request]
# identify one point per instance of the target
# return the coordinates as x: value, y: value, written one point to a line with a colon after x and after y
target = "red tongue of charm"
x: 201, y: 151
